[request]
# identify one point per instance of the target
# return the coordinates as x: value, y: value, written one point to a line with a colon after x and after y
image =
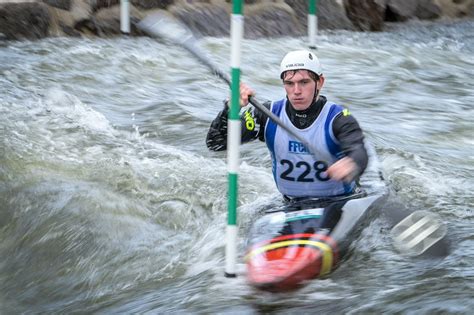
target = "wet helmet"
x: 300, y: 59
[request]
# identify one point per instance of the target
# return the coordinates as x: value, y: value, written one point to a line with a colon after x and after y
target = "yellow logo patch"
x: 346, y: 112
x: 249, y: 121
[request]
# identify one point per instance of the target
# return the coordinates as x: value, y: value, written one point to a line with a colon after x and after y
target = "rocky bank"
x: 37, y: 19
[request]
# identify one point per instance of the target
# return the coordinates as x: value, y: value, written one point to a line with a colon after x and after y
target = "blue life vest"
x: 298, y: 172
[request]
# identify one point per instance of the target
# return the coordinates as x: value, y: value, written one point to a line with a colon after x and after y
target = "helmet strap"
x: 316, y: 92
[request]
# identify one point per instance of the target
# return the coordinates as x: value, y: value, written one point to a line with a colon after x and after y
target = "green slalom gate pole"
x: 233, y: 138
x: 312, y: 23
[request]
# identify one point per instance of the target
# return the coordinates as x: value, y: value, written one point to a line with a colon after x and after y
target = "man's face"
x: 300, y: 88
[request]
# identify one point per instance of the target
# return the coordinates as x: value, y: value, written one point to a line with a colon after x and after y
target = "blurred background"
x: 111, y: 203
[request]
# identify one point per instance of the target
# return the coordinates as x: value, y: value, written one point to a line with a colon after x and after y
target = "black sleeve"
x: 252, y: 127
x: 351, y: 139
x: 216, y: 139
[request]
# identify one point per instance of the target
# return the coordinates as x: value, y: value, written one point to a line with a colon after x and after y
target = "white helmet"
x: 300, y: 59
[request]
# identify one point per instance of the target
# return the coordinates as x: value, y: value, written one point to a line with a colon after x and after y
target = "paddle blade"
x: 162, y: 25
x: 418, y: 232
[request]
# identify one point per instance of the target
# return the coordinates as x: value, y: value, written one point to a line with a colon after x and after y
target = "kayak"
x: 305, y: 239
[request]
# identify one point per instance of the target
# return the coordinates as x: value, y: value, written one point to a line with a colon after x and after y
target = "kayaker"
x: 333, y: 132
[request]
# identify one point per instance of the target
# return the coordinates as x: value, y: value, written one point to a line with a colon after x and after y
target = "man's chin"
x: 299, y: 105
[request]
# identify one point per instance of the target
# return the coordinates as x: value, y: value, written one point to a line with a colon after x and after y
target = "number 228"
x: 319, y: 168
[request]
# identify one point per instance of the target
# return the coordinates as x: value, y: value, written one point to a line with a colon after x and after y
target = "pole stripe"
x: 237, y: 31
x: 231, y: 251
x: 234, y: 113
x: 313, y: 6
x: 312, y: 29
x: 233, y: 151
x: 312, y: 23
x: 125, y: 16
x: 237, y: 7
x: 232, y: 200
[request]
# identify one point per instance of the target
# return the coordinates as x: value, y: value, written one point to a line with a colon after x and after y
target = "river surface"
x: 111, y: 203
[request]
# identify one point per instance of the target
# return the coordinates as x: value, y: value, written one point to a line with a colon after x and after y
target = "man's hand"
x: 344, y: 170
x: 245, y: 93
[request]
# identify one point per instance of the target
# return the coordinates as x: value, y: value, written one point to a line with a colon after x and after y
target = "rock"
x: 142, y: 4
x: 69, y: 31
x: 152, y: 4
x: 81, y: 9
x: 366, y: 15
x: 60, y: 4
x: 99, y: 4
x: 246, y: 1
x: 64, y: 22
x: 427, y: 10
x: 263, y: 18
x: 331, y: 14
x: 272, y: 20
x: 24, y: 20
x: 106, y: 21
x: 456, y: 8
x: 400, y: 10
x: 197, y: 17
